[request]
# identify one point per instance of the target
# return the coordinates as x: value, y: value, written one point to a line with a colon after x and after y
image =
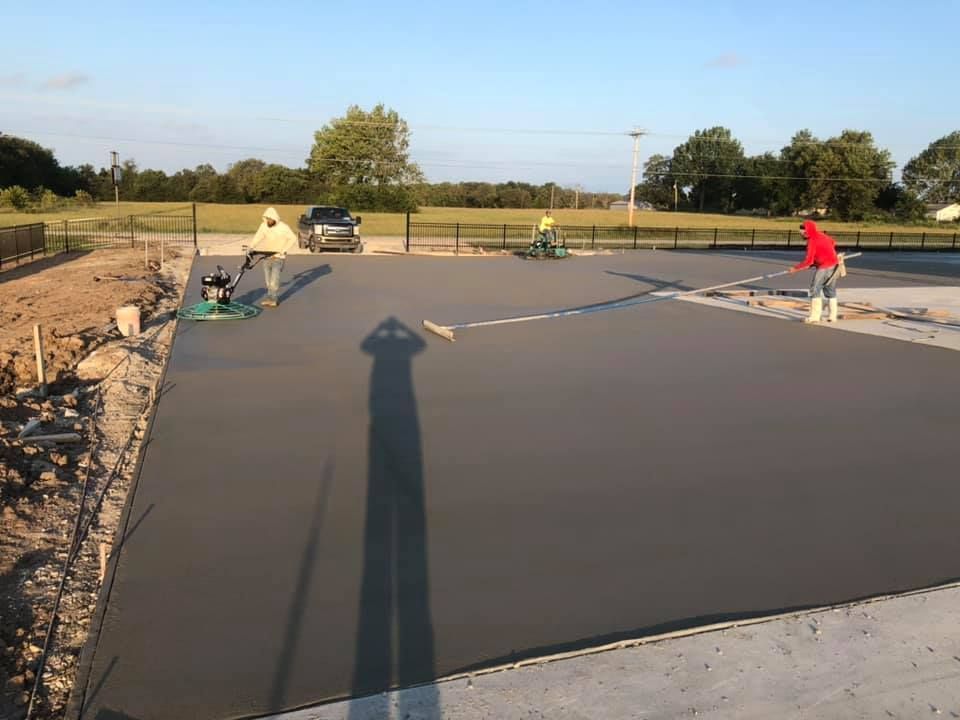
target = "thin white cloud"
x: 727, y: 61
x: 66, y: 81
x: 12, y: 80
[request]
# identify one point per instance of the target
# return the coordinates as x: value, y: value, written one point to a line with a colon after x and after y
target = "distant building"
x: 625, y: 205
x: 944, y: 212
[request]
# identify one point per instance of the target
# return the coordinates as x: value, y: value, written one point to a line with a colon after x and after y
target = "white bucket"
x: 128, y: 320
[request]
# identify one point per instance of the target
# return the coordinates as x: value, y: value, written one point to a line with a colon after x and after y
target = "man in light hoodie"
x: 274, y: 236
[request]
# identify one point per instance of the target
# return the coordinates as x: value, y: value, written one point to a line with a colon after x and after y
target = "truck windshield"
x: 329, y: 214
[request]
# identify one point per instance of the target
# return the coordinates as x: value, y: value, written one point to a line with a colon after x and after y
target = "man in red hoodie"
x: 822, y: 255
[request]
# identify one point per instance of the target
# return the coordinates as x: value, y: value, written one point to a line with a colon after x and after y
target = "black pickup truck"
x: 323, y: 227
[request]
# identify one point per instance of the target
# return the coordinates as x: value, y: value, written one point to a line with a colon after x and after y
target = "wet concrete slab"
x: 334, y: 503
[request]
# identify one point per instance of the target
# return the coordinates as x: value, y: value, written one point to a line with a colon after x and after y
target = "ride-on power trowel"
x: 217, y: 288
x: 546, y: 244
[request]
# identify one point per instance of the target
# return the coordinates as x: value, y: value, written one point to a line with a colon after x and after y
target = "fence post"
x: 923, y: 240
x: 195, y: 249
x: 789, y: 233
x: 858, y: 239
x: 753, y: 238
x: 504, y: 236
x: 66, y: 236
x: 16, y: 245
x: 954, y: 241
x: 457, y: 251
x: 406, y: 241
x: 593, y: 238
x: 890, y: 247
x: 715, y: 232
x: 634, y: 237
x: 676, y: 237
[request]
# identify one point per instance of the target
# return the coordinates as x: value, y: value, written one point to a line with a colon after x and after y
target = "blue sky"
x: 180, y: 84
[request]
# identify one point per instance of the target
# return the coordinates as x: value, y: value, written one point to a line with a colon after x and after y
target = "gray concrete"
x: 897, y: 658
x: 332, y: 503
x: 943, y: 333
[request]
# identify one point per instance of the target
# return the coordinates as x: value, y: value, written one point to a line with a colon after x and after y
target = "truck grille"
x: 339, y: 230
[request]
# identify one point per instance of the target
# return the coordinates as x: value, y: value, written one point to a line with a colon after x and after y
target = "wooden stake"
x: 58, y: 438
x: 103, y: 561
x: 41, y: 367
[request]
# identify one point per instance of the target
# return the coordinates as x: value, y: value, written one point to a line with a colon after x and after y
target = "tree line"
x: 847, y: 177
x: 361, y: 160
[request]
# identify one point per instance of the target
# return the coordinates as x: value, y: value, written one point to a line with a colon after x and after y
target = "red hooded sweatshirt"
x: 820, y: 248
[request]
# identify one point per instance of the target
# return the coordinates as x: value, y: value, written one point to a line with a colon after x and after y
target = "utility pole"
x: 636, y: 134
x: 576, y: 199
x: 674, y: 195
x: 552, y: 188
x: 117, y: 174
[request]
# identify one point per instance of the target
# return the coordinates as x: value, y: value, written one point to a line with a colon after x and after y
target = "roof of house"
x: 933, y: 207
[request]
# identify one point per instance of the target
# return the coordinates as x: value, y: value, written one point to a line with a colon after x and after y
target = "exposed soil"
x: 101, y: 386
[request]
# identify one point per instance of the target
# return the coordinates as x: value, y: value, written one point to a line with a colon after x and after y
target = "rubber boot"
x: 816, y: 310
x: 833, y: 310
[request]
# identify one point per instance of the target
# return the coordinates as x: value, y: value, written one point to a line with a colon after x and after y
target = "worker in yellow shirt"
x: 547, y: 231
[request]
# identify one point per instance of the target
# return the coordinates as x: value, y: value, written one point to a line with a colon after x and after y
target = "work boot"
x: 268, y: 302
x: 816, y: 310
x: 833, y: 310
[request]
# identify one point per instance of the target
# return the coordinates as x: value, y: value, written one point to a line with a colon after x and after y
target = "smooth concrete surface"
x: 333, y: 503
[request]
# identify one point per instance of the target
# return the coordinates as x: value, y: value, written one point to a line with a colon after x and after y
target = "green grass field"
x: 217, y: 218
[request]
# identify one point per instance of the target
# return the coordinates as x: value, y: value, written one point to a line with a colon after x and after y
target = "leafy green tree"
x: 761, y: 185
x: 364, y: 148
x: 706, y: 163
x: 843, y: 174
x: 850, y: 173
x: 150, y: 186
x: 934, y: 175
x: 247, y: 176
x: 27, y: 164
x: 657, y: 185
x: 279, y: 184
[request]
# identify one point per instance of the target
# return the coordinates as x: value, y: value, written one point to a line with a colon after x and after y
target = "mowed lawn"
x: 221, y: 218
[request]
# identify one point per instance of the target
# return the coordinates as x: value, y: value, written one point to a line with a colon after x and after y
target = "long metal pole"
x: 446, y: 331
x: 633, y: 174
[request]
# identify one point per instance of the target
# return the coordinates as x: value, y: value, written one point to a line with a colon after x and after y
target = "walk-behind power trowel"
x: 546, y: 244
x: 217, y: 288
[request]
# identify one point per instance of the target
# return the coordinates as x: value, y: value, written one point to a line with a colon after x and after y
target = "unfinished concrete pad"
x: 940, y: 328
x: 333, y: 504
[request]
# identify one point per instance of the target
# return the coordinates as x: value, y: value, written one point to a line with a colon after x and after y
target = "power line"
x: 781, y: 177
x: 488, y: 165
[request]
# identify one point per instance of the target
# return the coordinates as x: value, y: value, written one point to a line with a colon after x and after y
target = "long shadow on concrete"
x: 288, y: 289
x: 299, y: 595
x: 394, y: 596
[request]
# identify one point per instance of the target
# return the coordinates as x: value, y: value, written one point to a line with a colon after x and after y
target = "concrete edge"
x: 618, y: 645
x: 81, y: 682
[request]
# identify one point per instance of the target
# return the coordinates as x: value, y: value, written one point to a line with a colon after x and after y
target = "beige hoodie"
x: 279, y: 238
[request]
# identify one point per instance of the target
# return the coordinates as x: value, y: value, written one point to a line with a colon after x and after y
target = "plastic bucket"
x: 128, y: 320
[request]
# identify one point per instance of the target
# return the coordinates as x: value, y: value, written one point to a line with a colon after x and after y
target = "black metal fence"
x: 131, y: 231
x: 466, y: 236
x: 26, y: 242
x: 21, y: 242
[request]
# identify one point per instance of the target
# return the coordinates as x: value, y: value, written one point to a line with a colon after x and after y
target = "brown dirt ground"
x: 74, y: 298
